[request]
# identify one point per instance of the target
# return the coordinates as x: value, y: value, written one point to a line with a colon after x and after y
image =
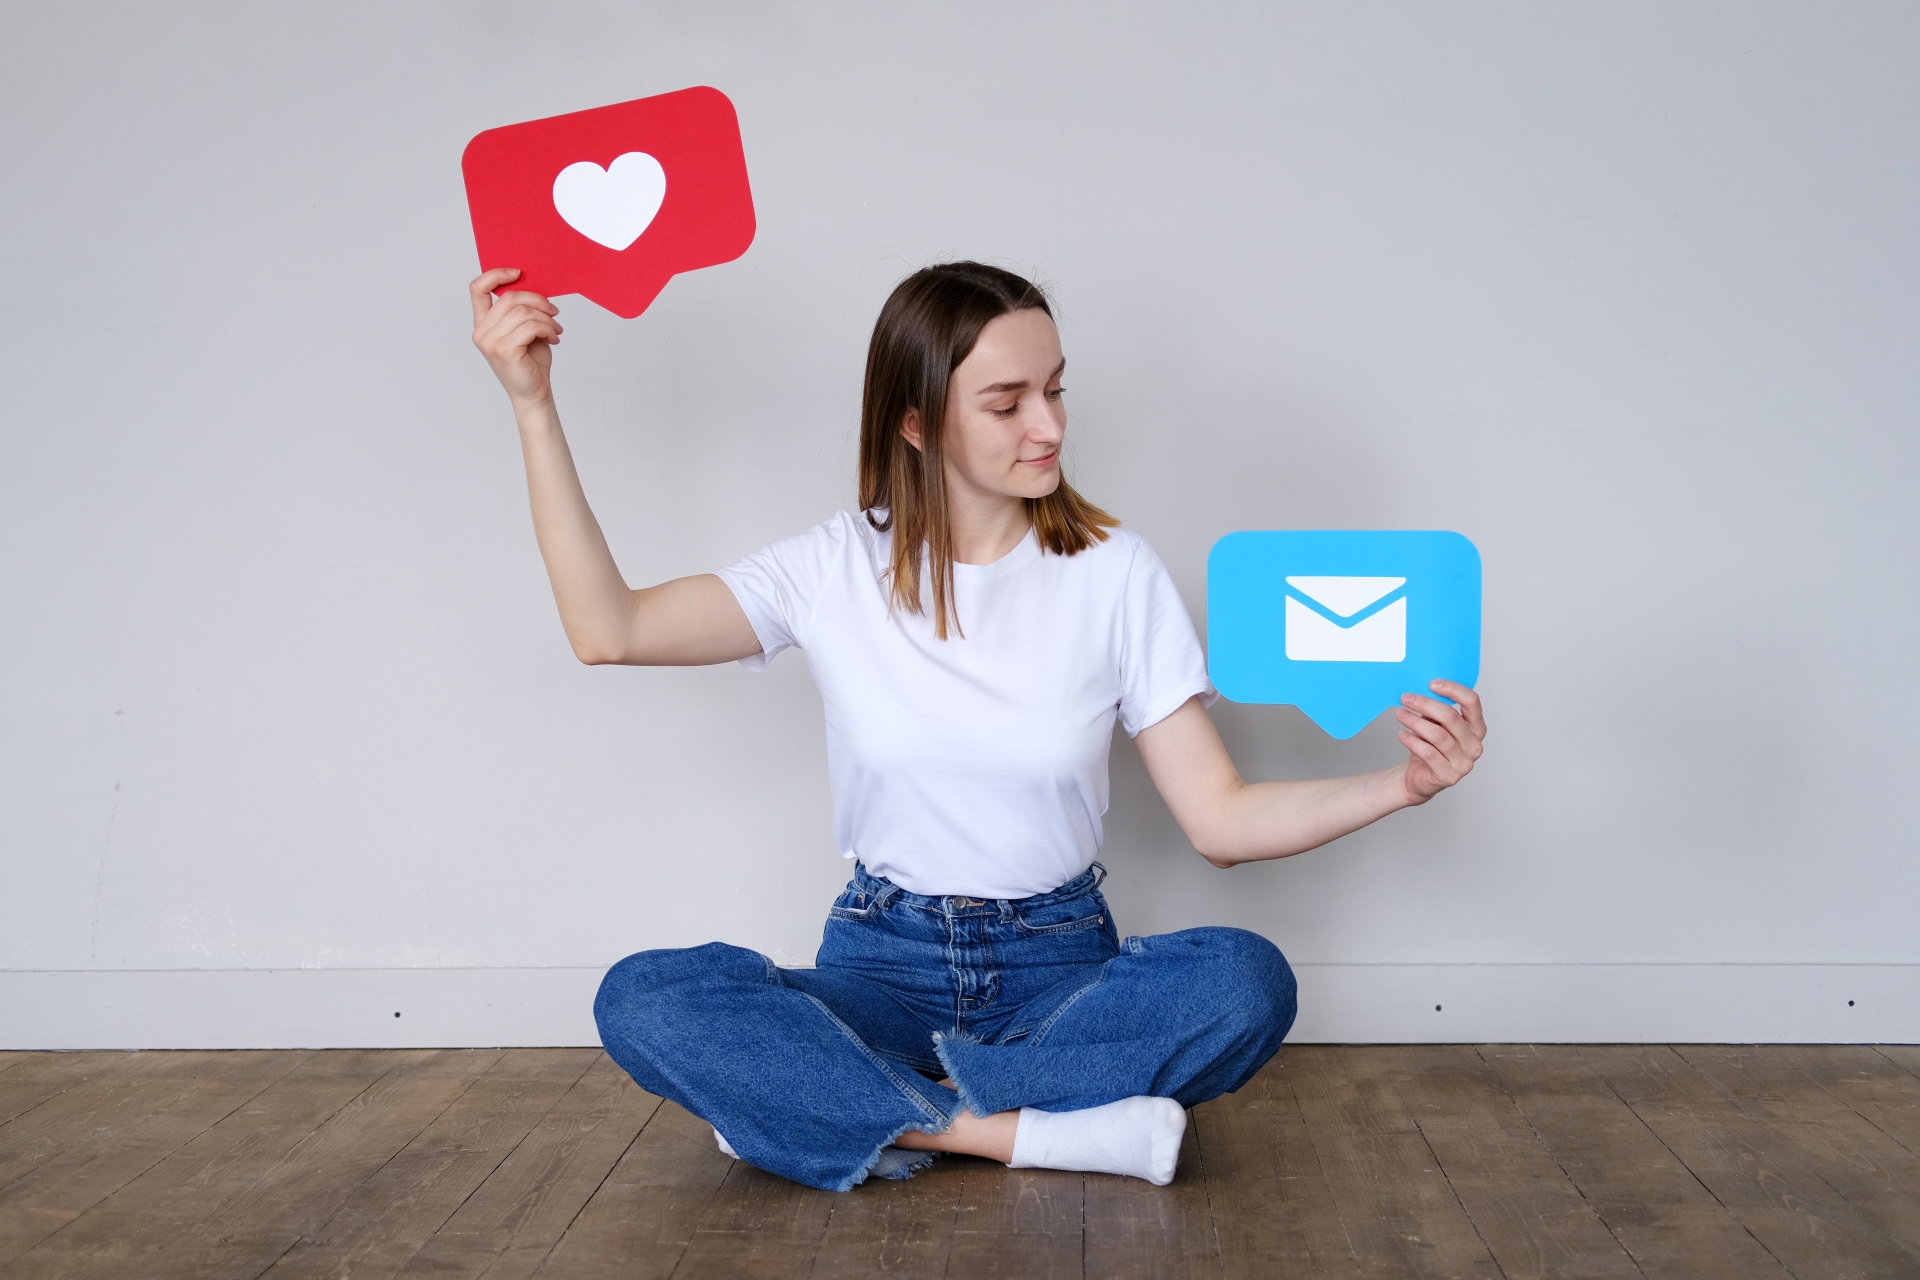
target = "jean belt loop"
x: 1006, y: 909
x: 1100, y: 878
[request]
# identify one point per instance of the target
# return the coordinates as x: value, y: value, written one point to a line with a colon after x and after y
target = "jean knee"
x: 1259, y: 977
x: 646, y: 992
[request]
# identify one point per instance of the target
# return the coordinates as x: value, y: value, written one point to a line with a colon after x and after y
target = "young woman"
x: 975, y: 629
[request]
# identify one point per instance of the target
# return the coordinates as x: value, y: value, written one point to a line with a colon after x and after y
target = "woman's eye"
x: 1056, y: 393
x: 1007, y: 412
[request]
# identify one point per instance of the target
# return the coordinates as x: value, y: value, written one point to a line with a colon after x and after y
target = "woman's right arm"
x: 685, y: 622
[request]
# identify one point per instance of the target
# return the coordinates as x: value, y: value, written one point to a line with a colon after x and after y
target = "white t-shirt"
x: 975, y: 765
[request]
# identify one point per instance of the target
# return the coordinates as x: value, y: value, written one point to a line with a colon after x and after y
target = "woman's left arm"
x: 1231, y: 820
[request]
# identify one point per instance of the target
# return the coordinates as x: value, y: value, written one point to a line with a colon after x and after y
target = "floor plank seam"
x: 65, y: 1089
x: 47, y: 1101
x: 821, y: 1239
x: 1554, y: 1156
x: 323, y: 1122
x: 1867, y: 1119
x: 1898, y: 1065
x: 1083, y: 1227
x: 319, y: 1233
x: 1480, y: 1235
x: 1205, y: 1174
x: 278, y: 1258
x: 171, y: 1151
x: 1692, y: 1173
x: 679, y: 1259
x: 625, y: 1151
x: 1741, y: 1109
x: 506, y: 1156
x: 1320, y: 1163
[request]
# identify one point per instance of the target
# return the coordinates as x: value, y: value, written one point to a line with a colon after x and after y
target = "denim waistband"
x: 886, y: 893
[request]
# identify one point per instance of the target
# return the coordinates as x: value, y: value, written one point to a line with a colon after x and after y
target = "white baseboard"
x: 1339, y: 1003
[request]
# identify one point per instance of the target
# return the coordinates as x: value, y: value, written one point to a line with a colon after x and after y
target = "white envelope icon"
x: 1380, y: 637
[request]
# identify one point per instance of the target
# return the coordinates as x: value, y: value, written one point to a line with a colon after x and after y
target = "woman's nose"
x: 1045, y: 427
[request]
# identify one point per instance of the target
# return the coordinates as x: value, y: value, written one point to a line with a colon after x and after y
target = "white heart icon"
x: 611, y: 206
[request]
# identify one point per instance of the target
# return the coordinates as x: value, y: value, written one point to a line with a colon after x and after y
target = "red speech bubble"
x: 614, y: 202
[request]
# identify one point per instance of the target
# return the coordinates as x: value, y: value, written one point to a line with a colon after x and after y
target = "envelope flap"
x: 1345, y: 596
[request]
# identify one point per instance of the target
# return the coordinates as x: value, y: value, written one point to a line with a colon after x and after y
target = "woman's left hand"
x: 1444, y: 740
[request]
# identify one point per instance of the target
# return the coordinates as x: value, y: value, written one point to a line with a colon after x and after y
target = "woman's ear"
x: 910, y: 429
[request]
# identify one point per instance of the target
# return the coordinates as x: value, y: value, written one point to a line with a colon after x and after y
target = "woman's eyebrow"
x: 995, y: 388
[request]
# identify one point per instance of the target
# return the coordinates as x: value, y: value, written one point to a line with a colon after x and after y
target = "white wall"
x: 1626, y: 293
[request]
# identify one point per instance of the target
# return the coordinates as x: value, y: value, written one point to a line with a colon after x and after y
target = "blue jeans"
x: 1030, y: 1002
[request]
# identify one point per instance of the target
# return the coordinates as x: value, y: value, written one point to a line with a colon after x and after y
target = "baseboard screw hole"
x: 396, y: 1013
x: 1849, y: 1004
x: 1436, y: 1008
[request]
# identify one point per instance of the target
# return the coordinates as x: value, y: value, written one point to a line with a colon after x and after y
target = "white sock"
x: 717, y: 1137
x: 1139, y: 1137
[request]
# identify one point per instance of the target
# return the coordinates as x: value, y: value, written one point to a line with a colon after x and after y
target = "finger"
x: 511, y: 343
x: 483, y: 286
x: 1467, y: 700
x: 506, y: 314
x: 536, y: 329
x: 1440, y: 735
x: 1450, y: 732
x: 538, y: 301
x: 1437, y: 764
x: 1432, y: 708
x: 504, y: 320
x: 510, y: 309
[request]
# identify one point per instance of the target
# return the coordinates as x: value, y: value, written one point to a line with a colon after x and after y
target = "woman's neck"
x: 985, y: 526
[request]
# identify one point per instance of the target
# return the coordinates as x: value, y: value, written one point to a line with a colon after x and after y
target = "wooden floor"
x: 1685, y: 1161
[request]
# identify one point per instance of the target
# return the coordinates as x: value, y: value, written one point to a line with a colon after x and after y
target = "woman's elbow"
x: 593, y: 652
x: 1210, y: 845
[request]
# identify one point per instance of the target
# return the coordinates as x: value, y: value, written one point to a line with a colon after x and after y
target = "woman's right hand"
x: 516, y: 333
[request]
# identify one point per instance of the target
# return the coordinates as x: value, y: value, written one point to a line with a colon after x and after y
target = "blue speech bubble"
x: 1340, y: 624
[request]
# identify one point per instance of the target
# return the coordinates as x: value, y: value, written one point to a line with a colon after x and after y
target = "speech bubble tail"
x: 1339, y: 726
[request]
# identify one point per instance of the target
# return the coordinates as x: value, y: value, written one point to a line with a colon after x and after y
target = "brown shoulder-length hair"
x: 928, y: 326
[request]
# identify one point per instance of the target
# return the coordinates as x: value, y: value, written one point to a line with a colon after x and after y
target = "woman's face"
x: 1006, y: 412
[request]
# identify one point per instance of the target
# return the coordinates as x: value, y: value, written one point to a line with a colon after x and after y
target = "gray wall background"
x: 1624, y: 292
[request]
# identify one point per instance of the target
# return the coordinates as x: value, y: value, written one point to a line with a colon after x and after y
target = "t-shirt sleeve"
x: 1162, y: 663
x: 779, y: 586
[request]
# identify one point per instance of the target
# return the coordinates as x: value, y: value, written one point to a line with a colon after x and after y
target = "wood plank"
x: 1803, y: 1222
x: 1862, y: 1077
x: 1401, y: 1216
x: 13, y: 1059
x: 146, y: 1120
x: 410, y: 1162
x: 1877, y: 1176
x: 386, y: 1219
x: 39, y: 1076
x: 884, y: 1227
x: 757, y: 1226
x: 508, y: 1226
x: 1017, y: 1222
x: 1531, y: 1216
x: 1904, y: 1056
x: 126, y: 1234
x: 1667, y: 1220
x: 85, y: 1110
x: 246, y: 1226
x: 1137, y: 1231
x: 1273, y: 1209
x: 637, y: 1225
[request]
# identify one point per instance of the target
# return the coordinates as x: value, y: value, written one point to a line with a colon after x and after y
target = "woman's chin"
x: 1042, y: 485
